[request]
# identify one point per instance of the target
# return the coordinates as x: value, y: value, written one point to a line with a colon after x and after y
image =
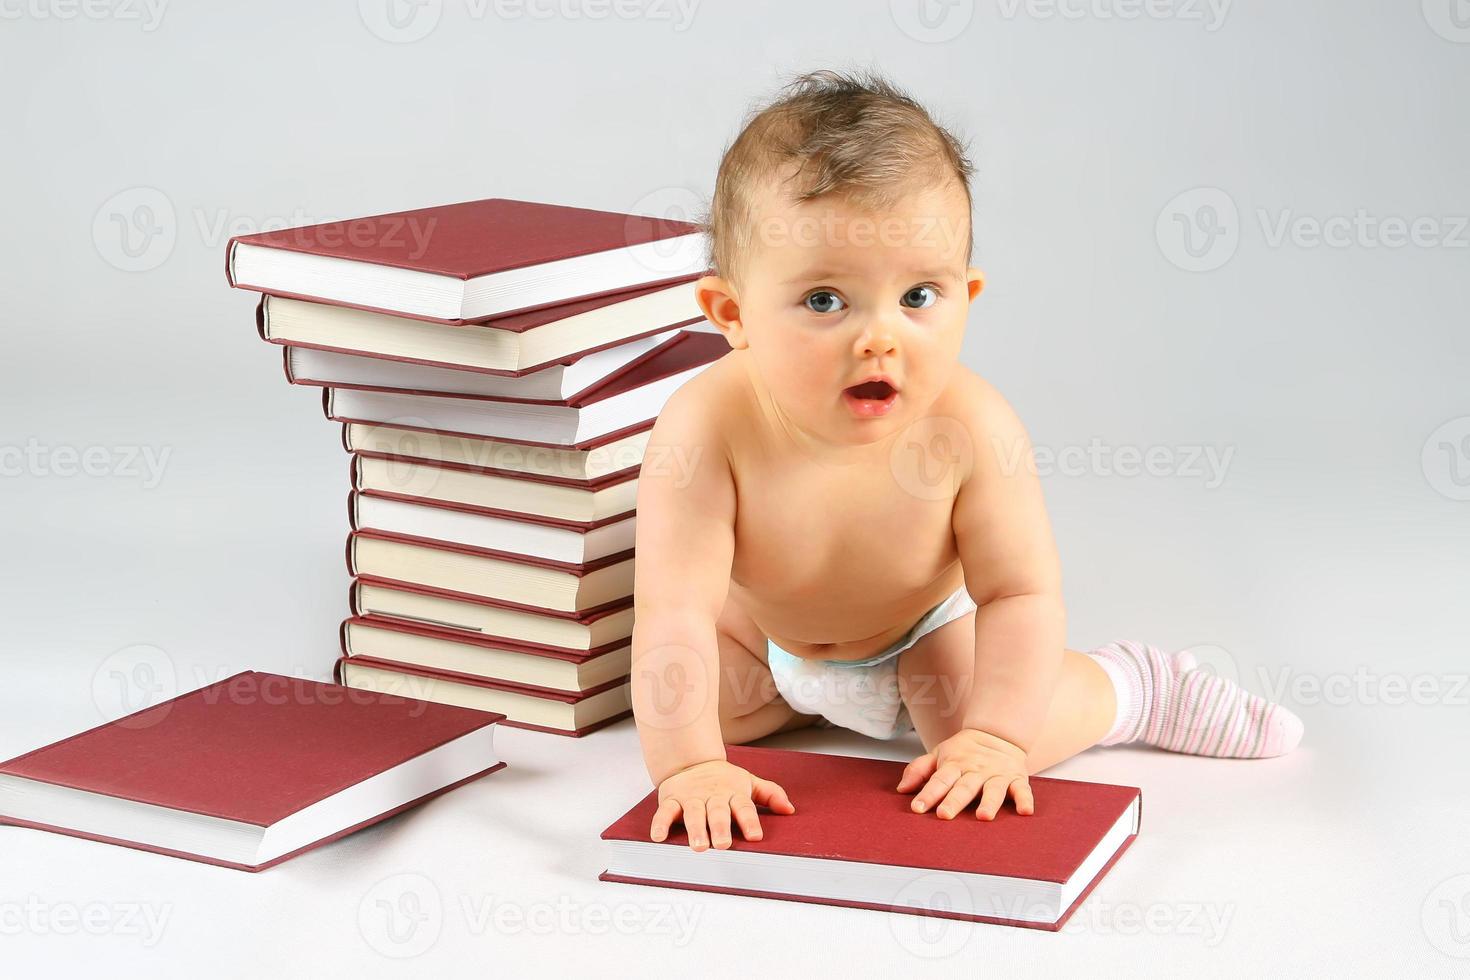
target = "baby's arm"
x: 685, y: 547
x: 1013, y: 573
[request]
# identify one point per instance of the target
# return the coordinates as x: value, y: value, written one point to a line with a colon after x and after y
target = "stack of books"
x: 496, y: 367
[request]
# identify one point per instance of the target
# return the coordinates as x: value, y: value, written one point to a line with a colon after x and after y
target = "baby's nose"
x: 877, y: 340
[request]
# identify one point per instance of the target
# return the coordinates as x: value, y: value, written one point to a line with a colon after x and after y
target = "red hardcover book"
x: 369, y: 596
x: 504, y: 348
x: 854, y: 841
x: 518, y: 581
x: 578, y: 467
x: 514, y: 495
x: 250, y: 771
x: 525, y: 706
x: 460, y: 262
x: 574, y: 542
x: 333, y: 369
x: 603, y: 411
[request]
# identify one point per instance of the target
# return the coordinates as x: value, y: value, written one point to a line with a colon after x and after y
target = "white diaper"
x: 862, y: 695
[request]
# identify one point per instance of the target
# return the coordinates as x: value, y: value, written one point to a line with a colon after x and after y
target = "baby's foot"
x: 1166, y: 700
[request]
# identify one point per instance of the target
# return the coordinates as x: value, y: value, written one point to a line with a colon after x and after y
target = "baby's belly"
x: 843, y: 625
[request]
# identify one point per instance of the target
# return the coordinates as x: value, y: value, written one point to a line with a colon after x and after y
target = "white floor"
x: 1350, y: 856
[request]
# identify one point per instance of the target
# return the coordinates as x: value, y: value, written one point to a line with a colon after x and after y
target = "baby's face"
x: 853, y: 318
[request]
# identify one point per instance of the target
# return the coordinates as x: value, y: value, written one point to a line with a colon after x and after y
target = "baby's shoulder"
x: 977, y: 403
x: 702, y: 410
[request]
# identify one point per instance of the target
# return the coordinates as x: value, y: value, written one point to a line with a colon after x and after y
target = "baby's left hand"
x: 969, y: 763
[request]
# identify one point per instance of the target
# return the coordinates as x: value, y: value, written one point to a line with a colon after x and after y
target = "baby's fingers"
x: 1021, y: 793
x: 694, y: 825
x: 992, y: 797
x: 663, y: 818
x: 743, y: 809
x: 916, y: 772
x: 770, y: 795
x: 718, y: 811
x: 960, y: 795
x: 935, y: 789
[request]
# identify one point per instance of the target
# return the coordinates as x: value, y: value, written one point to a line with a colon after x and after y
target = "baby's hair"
x: 854, y: 134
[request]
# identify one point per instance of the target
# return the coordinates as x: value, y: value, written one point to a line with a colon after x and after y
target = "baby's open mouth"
x: 870, y: 398
x: 872, y: 389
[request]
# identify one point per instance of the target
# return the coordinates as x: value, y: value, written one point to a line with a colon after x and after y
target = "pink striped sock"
x: 1164, y: 700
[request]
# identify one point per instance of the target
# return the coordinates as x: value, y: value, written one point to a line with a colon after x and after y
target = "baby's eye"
x: 919, y: 297
x: 824, y: 301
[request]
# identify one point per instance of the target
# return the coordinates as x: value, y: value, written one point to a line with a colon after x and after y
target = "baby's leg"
x: 750, y: 706
x: 935, y: 673
x: 1119, y: 693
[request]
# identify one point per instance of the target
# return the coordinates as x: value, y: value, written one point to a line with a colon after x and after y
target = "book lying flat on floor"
x: 506, y: 346
x: 421, y: 604
x: 632, y: 398
x: 854, y: 841
x: 249, y: 771
x: 607, y: 457
x: 309, y: 366
x: 465, y: 261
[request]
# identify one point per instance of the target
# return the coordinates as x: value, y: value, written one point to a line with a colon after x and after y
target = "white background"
x: 1324, y: 561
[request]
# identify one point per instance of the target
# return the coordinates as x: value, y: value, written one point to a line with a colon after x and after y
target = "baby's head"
x: 840, y: 241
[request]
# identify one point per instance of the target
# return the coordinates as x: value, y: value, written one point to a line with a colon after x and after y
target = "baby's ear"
x: 716, y: 297
x: 976, y: 280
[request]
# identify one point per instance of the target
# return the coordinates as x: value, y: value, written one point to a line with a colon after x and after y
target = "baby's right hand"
x: 708, y: 794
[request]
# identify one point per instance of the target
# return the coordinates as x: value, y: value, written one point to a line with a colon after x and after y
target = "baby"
x: 853, y: 541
